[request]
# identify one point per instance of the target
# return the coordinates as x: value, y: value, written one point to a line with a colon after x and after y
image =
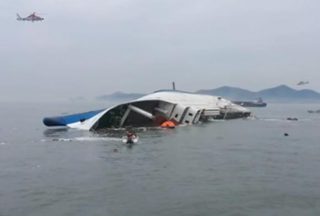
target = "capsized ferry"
x: 152, y: 110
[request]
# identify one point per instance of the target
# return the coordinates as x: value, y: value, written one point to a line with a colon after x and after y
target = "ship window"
x: 190, y: 114
x: 176, y: 116
x: 186, y: 121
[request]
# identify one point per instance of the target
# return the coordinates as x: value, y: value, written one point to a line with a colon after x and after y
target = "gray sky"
x: 90, y: 48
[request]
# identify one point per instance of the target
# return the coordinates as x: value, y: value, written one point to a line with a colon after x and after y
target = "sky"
x: 91, y: 48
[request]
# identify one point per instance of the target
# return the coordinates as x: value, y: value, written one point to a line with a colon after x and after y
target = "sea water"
x: 234, y: 167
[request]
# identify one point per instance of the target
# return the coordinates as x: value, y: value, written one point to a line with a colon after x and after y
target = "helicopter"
x: 33, y: 17
x: 303, y: 83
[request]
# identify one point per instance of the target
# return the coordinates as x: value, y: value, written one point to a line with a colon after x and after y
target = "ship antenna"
x: 173, y: 86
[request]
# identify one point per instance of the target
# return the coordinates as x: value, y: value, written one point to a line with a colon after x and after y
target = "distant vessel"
x: 153, y: 110
x: 257, y: 103
x: 314, y: 111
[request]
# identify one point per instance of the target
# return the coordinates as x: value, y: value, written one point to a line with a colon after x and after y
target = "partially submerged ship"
x: 152, y: 110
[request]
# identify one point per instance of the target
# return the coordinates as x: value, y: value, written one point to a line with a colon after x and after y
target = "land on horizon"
x: 281, y: 93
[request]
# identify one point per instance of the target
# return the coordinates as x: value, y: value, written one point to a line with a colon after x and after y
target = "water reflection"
x: 55, y: 132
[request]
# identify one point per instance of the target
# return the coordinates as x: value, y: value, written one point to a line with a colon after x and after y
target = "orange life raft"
x: 168, y: 124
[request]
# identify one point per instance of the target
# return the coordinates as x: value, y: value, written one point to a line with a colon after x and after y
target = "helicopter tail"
x: 18, y: 17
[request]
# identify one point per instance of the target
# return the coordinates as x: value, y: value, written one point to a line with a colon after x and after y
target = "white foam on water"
x: 88, y: 138
x: 97, y: 139
x: 285, y: 120
x: 272, y: 119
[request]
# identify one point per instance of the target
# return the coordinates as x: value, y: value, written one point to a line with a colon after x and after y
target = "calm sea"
x: 235, y: 167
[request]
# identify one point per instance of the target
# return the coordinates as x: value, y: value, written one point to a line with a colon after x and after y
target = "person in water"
x: 130, y: 136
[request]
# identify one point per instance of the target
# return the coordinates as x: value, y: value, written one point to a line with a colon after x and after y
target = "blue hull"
x: 69, y: 119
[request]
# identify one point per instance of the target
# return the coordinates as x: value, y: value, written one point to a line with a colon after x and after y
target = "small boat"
x: 292, y: 119
x: 314, y: 111
x: 127, y: 140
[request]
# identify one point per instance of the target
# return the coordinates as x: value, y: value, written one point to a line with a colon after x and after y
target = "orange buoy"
x: 168, y: 124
